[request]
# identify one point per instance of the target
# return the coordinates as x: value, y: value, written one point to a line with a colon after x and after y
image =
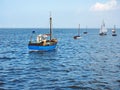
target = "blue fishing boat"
x: 42, y: 43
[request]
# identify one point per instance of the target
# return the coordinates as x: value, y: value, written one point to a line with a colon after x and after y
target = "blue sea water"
x: 89, y: 63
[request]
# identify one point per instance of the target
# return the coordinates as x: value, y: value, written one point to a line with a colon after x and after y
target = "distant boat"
x: 103, y: 30
x: 77, y: 36
x: 85, y: 32
x: 114, y: 31
x: 42, y: 43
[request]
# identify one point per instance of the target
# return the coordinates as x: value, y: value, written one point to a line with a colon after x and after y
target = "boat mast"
x: 50, y: 26
x: 103, y: 23
x: 79, y: 30
x: 86, y: 28
x: 114, y: 27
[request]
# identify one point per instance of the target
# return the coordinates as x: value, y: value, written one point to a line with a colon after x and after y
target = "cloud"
x: 110, y: 5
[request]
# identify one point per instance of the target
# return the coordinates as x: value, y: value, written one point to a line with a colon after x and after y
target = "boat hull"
x: 34, y: 47
x: 114, y: 34
x: 102, y: 34
x: 76, y: 37
x: 85, y: 32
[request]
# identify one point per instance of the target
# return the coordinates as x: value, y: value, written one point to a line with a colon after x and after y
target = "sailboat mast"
x: 114, y: 27
x: 86, y: 28
x: 50, y: 26
x: 103, y: 24
x: 79, y: 30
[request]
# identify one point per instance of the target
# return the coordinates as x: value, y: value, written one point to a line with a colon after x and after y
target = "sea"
x: 91, y: 62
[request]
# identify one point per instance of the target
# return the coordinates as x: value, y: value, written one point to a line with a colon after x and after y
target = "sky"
x: 65, y: 13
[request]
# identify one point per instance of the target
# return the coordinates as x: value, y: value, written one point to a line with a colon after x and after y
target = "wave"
x: 7, y: 58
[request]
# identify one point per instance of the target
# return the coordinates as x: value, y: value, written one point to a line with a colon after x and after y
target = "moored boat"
x: 114, y: 31
x: 103, y: 30
x: 42, y: 43
x: 77, y: 36
x: 85, y: 32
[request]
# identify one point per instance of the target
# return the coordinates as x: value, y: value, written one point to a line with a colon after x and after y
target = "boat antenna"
x: 50, y: 26
x: 79, y: 30
x: 86, y: 28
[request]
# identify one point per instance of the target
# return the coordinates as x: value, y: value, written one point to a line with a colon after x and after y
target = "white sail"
x: 103, y: 29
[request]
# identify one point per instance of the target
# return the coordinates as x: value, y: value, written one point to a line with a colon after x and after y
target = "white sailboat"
x: 103, y: 30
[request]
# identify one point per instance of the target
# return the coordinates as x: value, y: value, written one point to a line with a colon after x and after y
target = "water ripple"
x: 89, y: 63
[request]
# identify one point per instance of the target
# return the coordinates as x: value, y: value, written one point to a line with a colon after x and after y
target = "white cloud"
x: 110, y: 5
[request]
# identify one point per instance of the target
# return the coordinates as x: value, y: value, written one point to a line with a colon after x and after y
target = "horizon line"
x: 48, y: 28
